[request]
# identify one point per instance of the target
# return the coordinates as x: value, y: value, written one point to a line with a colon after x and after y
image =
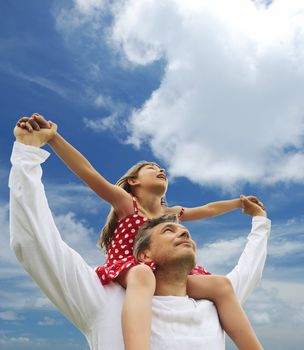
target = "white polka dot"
x: 120, y: 241
x: 135, y: 216
x: 137, y: 222
x: 120, y: 225
x: 145, y: 219
x: 129, y: 225
x: 115, y: 230
x: 120, y: 256
x: 128, y: 265
x: 124, y: 259
x: 128, y: 219
x: 114, y: 261
x: 114, y: 245
x: 111, y: 275
x: 126, y: 235
x: 117, y: 235
x: 111, y: 256
x: 123, y: 230
x: 132, y: 230
x: 127, y: 252
x: 130, y: 240
x: 116, y: 250
x: 103, y: 277
x: 123, y: 246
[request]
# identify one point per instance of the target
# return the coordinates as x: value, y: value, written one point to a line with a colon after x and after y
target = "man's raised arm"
x: 60, y: 272
x: 248, y: 272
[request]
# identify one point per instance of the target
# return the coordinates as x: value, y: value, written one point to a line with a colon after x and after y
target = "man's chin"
x: 186, y: 262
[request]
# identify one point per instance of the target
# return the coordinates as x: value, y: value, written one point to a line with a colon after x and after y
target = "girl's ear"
x: 132, y: 181
x: 144, y: 256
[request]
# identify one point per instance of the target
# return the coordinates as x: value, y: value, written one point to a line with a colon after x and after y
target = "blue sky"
x: 213, y: 91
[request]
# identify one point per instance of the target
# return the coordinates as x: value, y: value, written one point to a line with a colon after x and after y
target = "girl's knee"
x: 223, y: 286
x: 142, y: 275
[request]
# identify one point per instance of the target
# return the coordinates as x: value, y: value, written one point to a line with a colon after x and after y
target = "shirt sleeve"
x: 59, y: 271
x: 248, y: 271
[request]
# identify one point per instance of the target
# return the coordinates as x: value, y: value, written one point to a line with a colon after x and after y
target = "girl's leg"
x: 139, y: 282
x: 232, y: 316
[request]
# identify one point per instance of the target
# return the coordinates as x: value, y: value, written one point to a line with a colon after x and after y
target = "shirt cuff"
x: 23, y: 152
x: 260, y: 225
x: 260, y: 219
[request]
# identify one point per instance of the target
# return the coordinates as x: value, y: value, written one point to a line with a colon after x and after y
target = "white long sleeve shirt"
x: 75, y: 289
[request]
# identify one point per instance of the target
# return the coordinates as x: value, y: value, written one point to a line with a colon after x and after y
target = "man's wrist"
x: 259, y: 213
x: 29, y: 141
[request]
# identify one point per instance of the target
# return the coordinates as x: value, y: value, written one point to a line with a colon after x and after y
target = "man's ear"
x: 145, y: 256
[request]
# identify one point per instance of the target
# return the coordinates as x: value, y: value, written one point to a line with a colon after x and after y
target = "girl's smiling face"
x: 152, y: 176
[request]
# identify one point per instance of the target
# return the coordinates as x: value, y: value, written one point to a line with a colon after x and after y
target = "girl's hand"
x: 35, y: 122
x: 256, y: 201
x: 251, y: 207
x: 35, y: 137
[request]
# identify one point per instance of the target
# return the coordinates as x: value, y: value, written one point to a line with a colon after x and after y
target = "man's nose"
x: 183, y: 233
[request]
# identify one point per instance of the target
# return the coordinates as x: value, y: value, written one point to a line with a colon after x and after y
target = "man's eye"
x: 168, y: 230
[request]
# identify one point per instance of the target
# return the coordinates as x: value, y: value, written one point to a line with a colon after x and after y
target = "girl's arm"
x: 114, y: 195
x: 210, y: 210
x: 214, y: 208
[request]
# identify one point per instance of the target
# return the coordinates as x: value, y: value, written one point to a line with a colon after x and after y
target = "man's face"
x: 171, y: 243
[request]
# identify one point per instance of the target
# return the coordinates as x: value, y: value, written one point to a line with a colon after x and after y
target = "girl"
x: 137, y: 197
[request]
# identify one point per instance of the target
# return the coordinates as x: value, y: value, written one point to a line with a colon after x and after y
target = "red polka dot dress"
x: 120, y: 249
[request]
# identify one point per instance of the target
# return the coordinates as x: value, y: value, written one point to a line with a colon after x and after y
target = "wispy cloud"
x: 10, y: 316
x: 38, y: 80
x: 48, y: 322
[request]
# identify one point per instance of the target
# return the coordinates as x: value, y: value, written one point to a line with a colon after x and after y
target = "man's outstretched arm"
x: 248, y: 272
x: 60, y: 272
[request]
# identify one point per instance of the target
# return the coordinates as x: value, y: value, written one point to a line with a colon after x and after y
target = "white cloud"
x: 39, y: 80
x: 10, y: 316
x: 102, y: 124
x: 14, y: 340
x: 103, y: 101
x: 80, y: 237
x: 260, y: 318
x: 221, y: 255
x: 228, y: 108
x: 282, y: 248
x: 48, y: 321
x: 285, y: 242
x: 80, y: 13
x: 76, y: 197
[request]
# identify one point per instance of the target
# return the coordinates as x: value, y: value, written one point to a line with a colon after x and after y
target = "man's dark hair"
x: 142, y: 239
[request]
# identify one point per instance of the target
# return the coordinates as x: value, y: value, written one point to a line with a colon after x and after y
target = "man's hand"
x: 34, y: 131
x: 252, y: 208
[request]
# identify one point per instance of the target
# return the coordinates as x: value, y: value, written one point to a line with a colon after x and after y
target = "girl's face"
x: 151, y: 175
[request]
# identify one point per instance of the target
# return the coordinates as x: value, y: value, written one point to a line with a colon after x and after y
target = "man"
x: 73, y: 286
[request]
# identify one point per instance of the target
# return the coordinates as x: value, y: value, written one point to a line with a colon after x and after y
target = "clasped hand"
x: 34, y: 130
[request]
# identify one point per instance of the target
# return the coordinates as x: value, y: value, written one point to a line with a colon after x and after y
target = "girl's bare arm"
x: 114, y: 195
x: 215, y: 208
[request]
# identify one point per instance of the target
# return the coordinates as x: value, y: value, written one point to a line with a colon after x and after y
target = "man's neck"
x: 171, y: 282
